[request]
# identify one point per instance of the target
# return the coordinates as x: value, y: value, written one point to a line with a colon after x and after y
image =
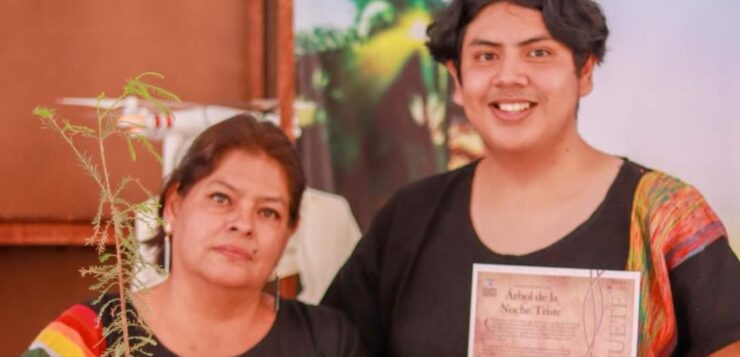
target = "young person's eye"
x: 539, y: 53
x: 219, y: 198
x: 485, y: 56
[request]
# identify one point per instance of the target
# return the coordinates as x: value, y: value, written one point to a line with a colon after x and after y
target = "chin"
x: 510, y: 147
x: 510, y: 140
x: 235, y: 280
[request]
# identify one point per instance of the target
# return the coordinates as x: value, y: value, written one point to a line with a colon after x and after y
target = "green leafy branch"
x: 117, y: 270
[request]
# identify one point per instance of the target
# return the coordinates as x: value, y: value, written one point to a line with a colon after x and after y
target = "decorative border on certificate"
x: 541, y: 311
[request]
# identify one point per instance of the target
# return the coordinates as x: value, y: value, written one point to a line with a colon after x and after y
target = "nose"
x: 242, y: 221
x: 511, y: 73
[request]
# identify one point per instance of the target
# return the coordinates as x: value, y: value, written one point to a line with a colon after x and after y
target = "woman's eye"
x: 219, y: 198
x: 269, y: 213
x: 539, y: 52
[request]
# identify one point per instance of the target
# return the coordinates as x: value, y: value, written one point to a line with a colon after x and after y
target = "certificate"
x: 538, y: 311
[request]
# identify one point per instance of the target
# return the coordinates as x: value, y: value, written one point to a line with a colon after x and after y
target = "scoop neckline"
x: 610, y: 195
x: 256, y: 349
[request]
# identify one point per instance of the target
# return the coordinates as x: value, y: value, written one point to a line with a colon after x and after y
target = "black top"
x: 428, y: 313
x: 444, y: 268
x: 299, y: 330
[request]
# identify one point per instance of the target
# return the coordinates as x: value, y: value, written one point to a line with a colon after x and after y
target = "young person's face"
x: 231, y: 227
x: 520, y: 88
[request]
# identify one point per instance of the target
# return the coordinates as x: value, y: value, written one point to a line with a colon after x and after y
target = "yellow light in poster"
x: 382, y: 57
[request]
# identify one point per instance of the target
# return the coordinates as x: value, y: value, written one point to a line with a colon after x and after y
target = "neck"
x: 541, y: 166
x: 199, y: 301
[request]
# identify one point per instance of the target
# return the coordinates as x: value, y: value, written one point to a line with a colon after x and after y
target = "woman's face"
x: 232, y: 226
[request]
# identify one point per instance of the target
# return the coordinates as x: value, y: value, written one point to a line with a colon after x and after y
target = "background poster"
x: 376, y: 97
x: 665, y: 97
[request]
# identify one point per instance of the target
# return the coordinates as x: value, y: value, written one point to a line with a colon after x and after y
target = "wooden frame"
x: 286, y: 65
x: 44, y: 234
x: 19, y: 233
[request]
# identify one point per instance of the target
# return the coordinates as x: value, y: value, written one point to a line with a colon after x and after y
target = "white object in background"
x: 145, y: 228
x: 325, y: 238
x: 177, y: 128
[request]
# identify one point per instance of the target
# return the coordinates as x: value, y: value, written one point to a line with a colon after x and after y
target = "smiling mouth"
x: 513, y: 107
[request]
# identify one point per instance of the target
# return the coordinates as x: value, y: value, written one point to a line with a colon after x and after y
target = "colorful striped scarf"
x: 670, y: 223
x: 76, y: 332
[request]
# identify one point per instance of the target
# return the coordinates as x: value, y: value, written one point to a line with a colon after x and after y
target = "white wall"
x: 668, y: 94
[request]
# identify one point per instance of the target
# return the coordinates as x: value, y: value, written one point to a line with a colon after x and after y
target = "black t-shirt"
x: 299, y: 330
x: 433, y: 317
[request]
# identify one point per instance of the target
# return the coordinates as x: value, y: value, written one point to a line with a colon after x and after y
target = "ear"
x: 172, y: 202
x: 456, y: 93
x: 586, y: 77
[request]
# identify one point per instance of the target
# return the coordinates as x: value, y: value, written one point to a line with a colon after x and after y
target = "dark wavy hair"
x: 578, y: 24
x: 241, y: 132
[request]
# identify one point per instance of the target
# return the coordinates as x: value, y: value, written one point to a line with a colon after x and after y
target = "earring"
x: 277, y: 291
x: 167, y: 246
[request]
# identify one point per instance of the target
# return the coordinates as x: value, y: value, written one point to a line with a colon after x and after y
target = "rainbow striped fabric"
x: 76, y: 332
x: 670, y: 223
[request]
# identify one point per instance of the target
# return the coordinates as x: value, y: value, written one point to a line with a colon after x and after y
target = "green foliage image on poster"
x: 381, y: 98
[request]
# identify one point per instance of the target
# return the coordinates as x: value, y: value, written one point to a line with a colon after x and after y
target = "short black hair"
x: 578, y: 24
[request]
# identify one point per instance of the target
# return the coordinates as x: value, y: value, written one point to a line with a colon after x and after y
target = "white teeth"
x: 513, y: 107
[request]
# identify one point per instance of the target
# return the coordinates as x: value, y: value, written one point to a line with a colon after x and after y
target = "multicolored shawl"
x: 670, y: 223
x: 76, y: 332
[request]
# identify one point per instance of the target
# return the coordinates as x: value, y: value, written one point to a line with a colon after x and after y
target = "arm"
x: 706, y: 295
x: 689, y: 288
x: 729, y: 351
x: 350, y: 343
x: 356, y: 288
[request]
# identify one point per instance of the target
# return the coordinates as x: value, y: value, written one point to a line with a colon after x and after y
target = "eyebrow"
x: 487, y: 43
x: 273, y: 200
x: 223, y: 183
x: 268, y: 199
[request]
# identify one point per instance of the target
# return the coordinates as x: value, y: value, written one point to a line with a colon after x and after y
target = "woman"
x: 228, y: 210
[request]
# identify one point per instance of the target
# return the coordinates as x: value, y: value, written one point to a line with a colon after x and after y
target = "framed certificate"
x: 538, y: 311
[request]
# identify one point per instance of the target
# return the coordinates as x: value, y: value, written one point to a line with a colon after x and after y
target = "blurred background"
x: 373, y: 110
x: 664, y: 96
x: 222, y: 54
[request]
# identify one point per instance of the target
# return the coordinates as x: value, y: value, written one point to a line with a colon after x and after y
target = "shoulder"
x: 659, y: 194
x: 328, y: 330
x: 75, y: 332
x: 415, y: 201
x: 658, y: 191
x: 675, y: 215
x: 658, y: 185
x: 438, y: 181
x: 410, y: 209
x: 323, y: 317
x: 425, y: 193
